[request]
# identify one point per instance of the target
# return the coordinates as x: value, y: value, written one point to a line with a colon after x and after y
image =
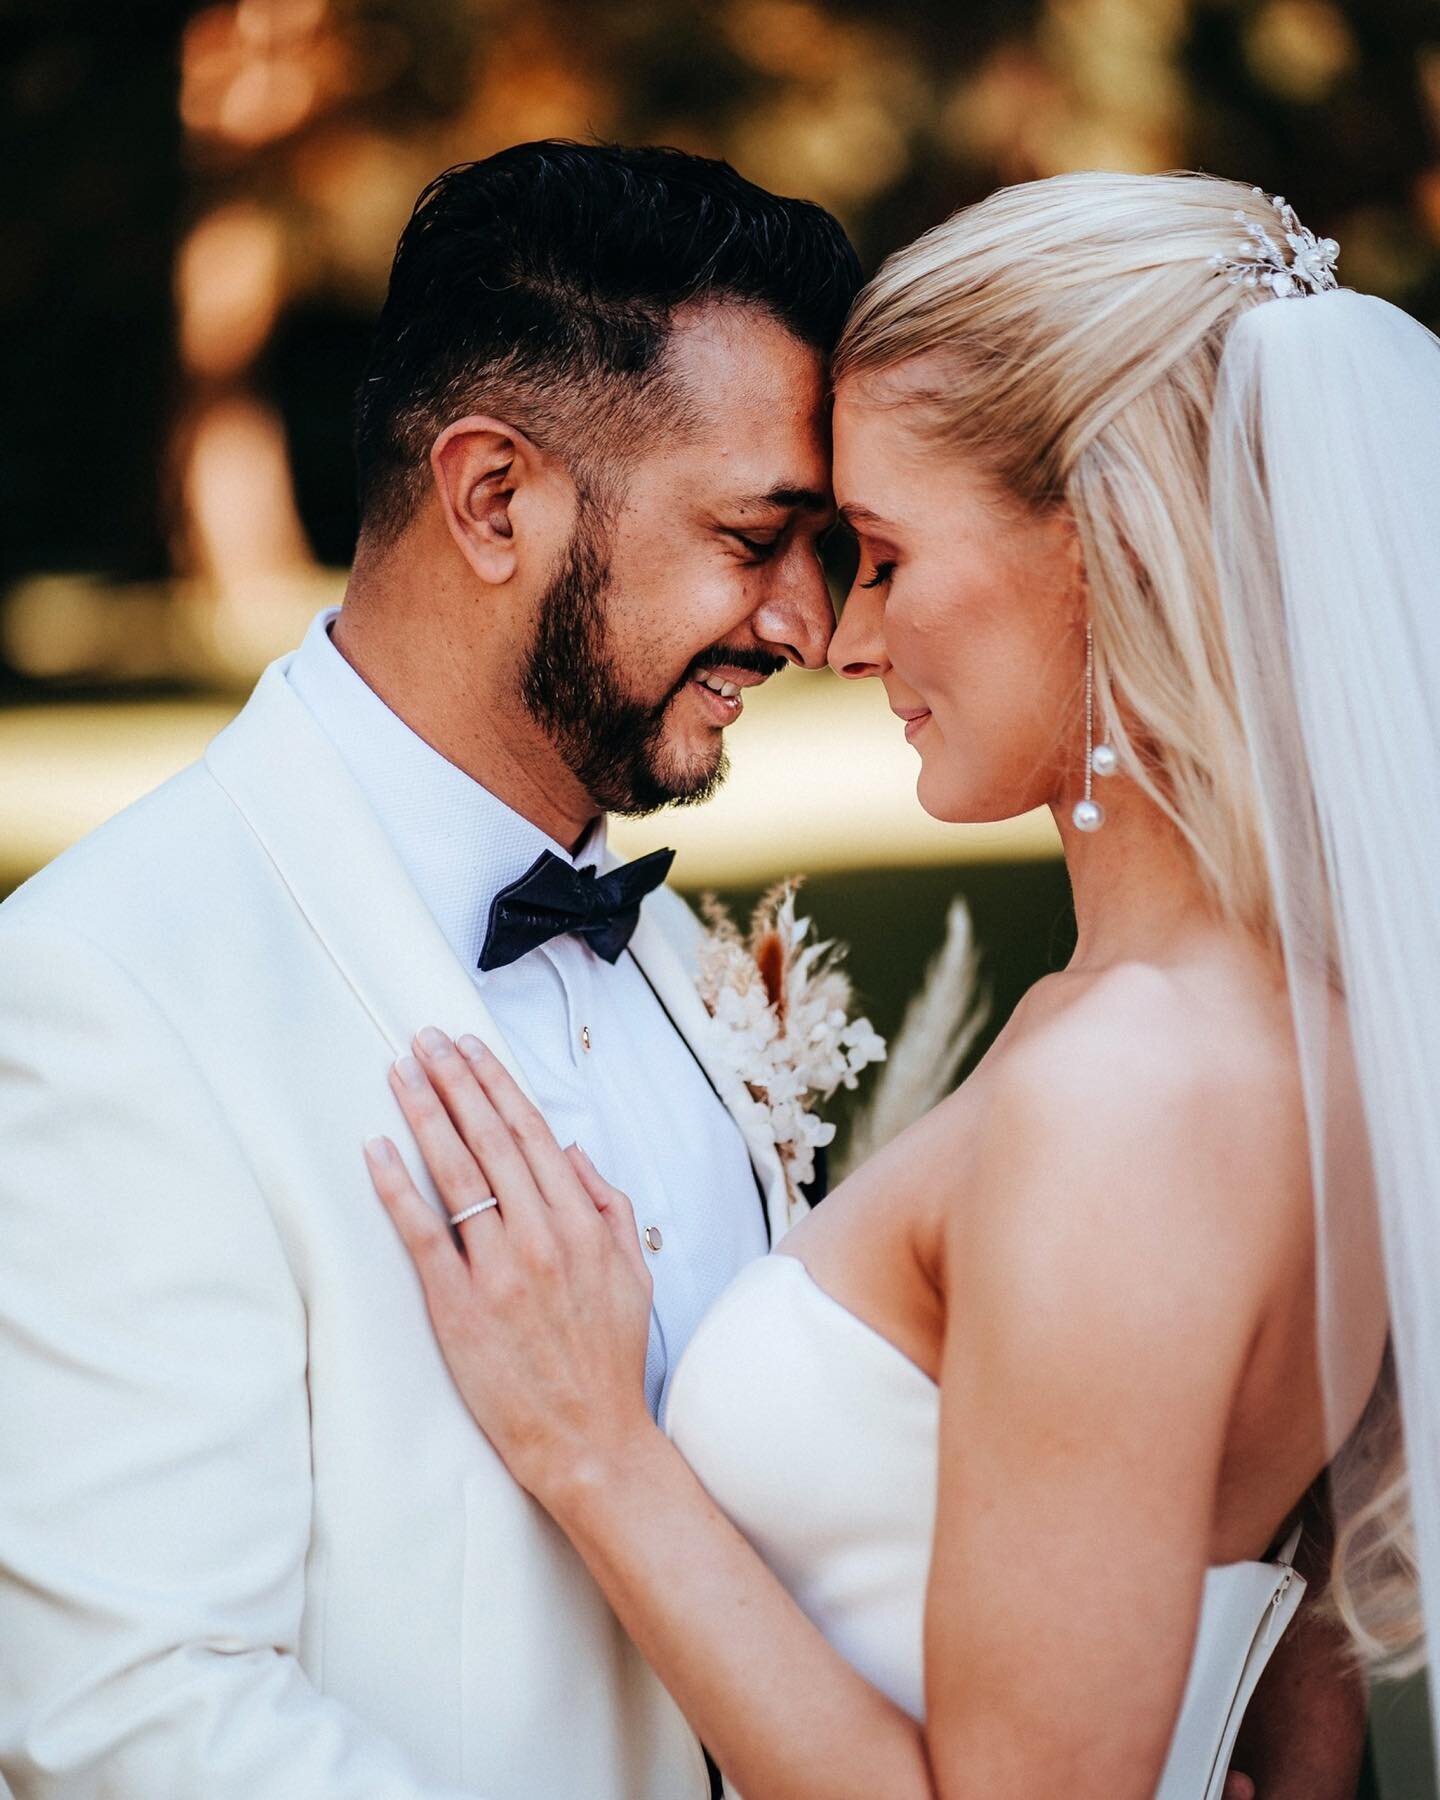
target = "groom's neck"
x: 452, y: 676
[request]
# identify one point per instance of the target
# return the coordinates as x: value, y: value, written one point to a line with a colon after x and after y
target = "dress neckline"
x: 859, y: 1325
x: 1282, y: 1558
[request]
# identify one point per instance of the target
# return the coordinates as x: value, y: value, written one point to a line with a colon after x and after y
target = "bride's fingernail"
x: 380, y: 1150
x: 471, y: 1046
x: 410, y: 1072
x: 433, y: 1042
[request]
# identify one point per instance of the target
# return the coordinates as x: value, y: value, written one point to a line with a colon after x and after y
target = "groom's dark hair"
x: 540, y: 286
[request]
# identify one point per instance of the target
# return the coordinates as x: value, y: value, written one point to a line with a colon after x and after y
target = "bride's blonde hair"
x: 1065, y: 336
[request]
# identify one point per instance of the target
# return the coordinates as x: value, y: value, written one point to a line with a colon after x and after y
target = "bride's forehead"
x: 878, y: 443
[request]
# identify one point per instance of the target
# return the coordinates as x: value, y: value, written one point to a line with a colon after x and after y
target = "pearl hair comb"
x: 1304, y: 264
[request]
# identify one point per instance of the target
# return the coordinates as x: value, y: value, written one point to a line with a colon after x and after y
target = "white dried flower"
x: 781, y: 1005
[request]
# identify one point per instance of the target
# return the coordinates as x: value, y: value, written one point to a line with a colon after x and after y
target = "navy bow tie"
x: 553, y: 898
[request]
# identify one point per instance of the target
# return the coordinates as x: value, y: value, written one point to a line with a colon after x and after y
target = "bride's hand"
x: 541, y: 1303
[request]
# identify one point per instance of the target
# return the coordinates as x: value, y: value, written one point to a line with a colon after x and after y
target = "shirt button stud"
x: 653, y: 1239
x: 584, y: 1037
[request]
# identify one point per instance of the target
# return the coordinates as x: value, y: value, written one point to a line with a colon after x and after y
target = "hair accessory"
x: 1305, y: 265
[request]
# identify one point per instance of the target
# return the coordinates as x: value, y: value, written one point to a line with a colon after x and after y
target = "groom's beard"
x: 611, y: 742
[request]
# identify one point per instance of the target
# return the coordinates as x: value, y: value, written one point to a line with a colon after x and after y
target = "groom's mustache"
x: 754, y: 662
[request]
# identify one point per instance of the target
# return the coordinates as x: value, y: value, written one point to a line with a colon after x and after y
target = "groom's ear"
x: 492, y: 483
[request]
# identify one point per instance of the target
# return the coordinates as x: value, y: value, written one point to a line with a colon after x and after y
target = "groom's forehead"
x: 729, y: 358
x: 734, y: 474
x: 752, y: 436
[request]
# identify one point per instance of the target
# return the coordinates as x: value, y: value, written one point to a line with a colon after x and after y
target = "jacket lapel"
x: 326, y: 845
x: 667, y: 970
x: 292, y: 786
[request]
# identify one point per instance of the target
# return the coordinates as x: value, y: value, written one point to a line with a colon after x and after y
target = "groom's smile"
x: 719, y: 692
x: 720, y: 687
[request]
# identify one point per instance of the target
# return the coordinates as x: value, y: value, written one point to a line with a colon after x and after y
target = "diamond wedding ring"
x: 470, y: 1211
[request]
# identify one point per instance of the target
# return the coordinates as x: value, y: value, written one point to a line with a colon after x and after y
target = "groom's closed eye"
x: 761, y: 536
x: 760, y: 547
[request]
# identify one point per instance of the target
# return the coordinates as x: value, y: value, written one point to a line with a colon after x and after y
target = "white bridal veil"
x: 1326, y: 500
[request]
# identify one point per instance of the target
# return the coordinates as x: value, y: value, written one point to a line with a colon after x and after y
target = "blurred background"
x: 199, y: 205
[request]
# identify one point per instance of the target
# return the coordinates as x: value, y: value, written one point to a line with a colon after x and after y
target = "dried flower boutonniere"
x: 782, y: 1005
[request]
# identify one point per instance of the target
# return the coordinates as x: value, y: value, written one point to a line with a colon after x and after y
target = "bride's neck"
x: 1138, y: 893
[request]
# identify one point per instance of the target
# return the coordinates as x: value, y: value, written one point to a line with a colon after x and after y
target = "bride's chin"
x: 942, y: 798
x: 948, y: 804
x: 947, y: 809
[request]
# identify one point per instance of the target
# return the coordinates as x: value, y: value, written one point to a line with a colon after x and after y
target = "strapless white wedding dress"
x: 820, y: 1440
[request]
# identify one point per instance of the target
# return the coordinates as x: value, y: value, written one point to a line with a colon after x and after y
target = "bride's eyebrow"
x: 860, y: 518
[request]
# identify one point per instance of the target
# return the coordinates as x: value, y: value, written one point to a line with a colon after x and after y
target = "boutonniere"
x: 781, y: 1006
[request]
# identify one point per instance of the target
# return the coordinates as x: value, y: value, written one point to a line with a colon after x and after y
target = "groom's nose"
x: 796, y: 618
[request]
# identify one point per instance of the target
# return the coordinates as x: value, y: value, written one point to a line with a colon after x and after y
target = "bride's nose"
x: 858, y: 647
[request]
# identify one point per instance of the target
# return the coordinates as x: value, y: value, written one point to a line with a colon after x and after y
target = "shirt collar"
x: 456, y: 841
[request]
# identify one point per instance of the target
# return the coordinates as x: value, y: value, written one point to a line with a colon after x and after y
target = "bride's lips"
x: 914, y: 717
x: 724, y: 709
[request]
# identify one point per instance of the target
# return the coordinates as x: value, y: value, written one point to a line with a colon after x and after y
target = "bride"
x: 970, y: 1488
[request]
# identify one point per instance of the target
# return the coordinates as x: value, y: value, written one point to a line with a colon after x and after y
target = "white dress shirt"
x: 607, y: 1067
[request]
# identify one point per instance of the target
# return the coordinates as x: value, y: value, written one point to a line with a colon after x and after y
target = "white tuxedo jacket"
x: 252, y: 1545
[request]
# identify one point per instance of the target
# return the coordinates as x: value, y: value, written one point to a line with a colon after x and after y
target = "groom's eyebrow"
x: 794, y: 499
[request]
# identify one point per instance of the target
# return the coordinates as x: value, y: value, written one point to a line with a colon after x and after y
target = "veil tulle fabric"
x: 1325, y: 474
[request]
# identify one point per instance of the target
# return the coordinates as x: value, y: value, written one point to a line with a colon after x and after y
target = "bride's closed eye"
x: 881, y: 577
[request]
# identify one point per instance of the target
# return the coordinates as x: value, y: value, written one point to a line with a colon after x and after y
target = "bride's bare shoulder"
x: 1145, y: 1107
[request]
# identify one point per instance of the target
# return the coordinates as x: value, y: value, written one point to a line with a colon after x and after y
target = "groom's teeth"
x: 726, y: 689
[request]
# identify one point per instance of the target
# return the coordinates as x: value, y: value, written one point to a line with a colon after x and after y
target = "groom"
x: 251, y: 1543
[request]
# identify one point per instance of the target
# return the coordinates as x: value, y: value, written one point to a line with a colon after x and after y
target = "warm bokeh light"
x: 1300, y: 48
x: 237, y: 494
x: 255, y: 71
x: 1006, y: 111
x: 1428, y: 69
x: 1126, y: 104
x: 356, y: 187
x: 536, y: 79
x: 837, y: 129
x: 228, y: 288
x: 1427, y: 199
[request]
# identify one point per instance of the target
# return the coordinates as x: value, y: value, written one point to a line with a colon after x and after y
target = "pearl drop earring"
x: 1100, y: 759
